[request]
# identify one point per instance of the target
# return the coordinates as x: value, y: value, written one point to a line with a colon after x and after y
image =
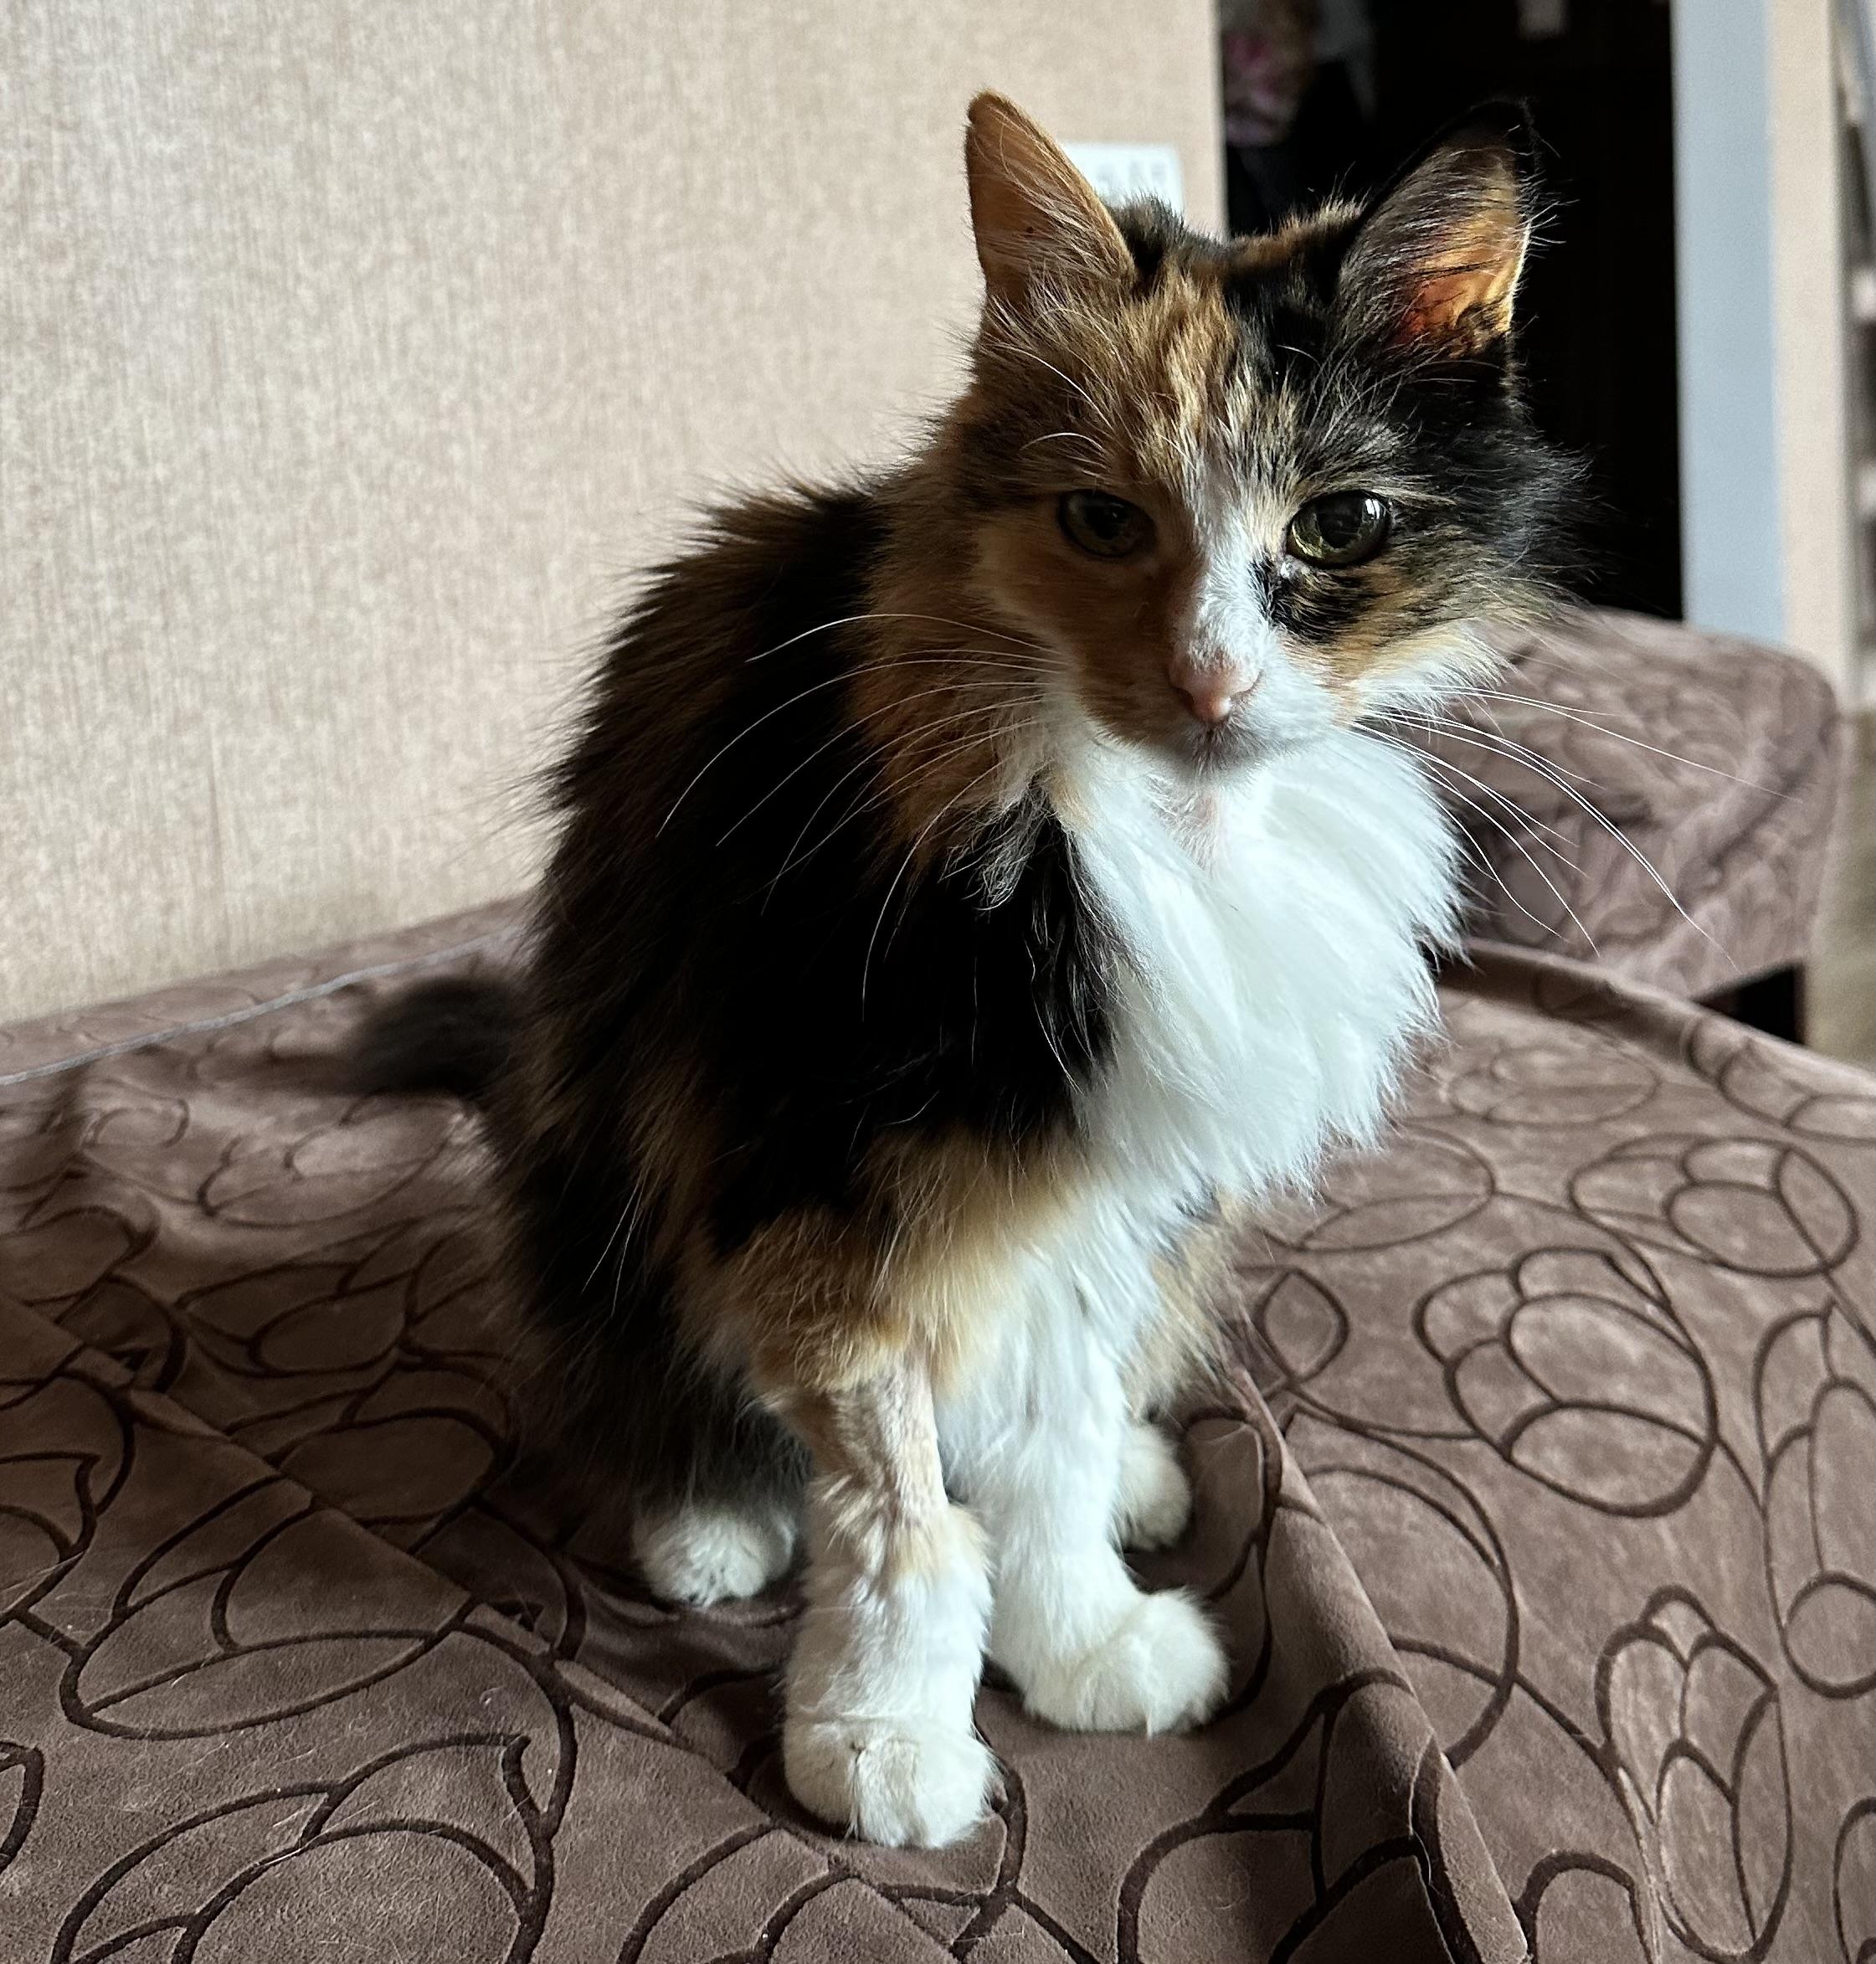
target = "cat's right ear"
x: 1040, y: 226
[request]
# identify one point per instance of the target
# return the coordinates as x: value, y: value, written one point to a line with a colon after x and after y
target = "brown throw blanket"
x: 1541, y: 1511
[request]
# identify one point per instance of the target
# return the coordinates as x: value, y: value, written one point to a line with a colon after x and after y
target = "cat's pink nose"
x: 1211, y: 694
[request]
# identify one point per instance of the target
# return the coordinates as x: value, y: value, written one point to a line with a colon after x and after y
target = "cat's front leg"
x: 1088, y: 1648
x: 877, y: 1736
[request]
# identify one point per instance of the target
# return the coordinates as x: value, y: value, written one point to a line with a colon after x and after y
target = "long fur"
x: 916, y: 988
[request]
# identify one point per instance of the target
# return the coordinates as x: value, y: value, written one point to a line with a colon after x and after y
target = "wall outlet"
x: 1120, y: 171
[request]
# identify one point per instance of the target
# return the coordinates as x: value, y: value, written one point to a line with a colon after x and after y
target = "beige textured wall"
x: 350, y: 354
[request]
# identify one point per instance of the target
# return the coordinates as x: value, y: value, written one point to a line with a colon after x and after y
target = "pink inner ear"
x: 1466, y: 294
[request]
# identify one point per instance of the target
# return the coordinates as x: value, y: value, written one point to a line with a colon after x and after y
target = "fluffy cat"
x: 972, y: 887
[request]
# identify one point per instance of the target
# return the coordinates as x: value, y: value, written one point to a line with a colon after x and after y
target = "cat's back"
x: 692, y: 695
x: 716, y: 745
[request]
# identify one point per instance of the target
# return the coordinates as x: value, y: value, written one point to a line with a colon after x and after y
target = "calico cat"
x: 973, y: 887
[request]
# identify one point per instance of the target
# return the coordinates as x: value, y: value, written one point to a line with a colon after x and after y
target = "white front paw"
x: 904, y: 1782
x: 706, y: 1552
x: 1161, y: 1669
x: 1153, y: 1501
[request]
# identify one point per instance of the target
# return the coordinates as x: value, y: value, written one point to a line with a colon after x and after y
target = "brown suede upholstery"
x: 1538, y: 1511
x: 1709, y: 767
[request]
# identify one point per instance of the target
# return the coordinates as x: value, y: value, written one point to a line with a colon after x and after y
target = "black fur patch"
x: 1151, y: 231
x: 835, y: 993
x: 732, y: 890
x: 631, y: 1402
x: 850, y: 1005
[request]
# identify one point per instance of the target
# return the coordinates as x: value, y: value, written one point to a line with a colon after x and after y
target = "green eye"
x: 1343, y: 529
x: 1105, y: 527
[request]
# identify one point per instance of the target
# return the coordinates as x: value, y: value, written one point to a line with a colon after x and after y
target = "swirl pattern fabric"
x: 1537, y: 1506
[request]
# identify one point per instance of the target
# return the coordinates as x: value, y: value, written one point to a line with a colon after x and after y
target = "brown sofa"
x: 1537, y: 1505
x: 1671, y: 824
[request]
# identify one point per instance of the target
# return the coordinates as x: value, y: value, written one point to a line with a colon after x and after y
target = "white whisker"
x: 1099, y: 412
x: 1589, y: 722
x: 1005, y: 693
x: 1518, y: 753
x: 879, y: 797
x: 846, y: 674
x: 1435, y: 728
x: 939, y: 620
x: 1518, y: 846
x: 1510, y: 805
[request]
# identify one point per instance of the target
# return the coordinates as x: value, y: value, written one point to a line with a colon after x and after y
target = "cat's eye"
x: 1101, y: 524
x: 1343, y: 529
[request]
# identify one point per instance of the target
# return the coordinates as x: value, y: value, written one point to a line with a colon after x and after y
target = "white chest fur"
x: 1277, y: 965
x: 1275, y: 976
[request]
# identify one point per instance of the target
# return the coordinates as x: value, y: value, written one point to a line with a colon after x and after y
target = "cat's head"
x: 1245, y: 493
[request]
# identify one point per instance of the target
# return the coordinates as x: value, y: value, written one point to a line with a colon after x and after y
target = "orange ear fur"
x: 1038, y: 222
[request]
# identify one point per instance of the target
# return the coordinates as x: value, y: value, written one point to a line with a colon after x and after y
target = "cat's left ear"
x: 1433, y: 269
x: 1040, y: 224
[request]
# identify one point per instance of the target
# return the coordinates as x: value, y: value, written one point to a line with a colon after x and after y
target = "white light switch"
x: 1120, y: 171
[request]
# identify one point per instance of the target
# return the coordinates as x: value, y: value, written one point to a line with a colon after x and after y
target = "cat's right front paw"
x: 902, y: 1783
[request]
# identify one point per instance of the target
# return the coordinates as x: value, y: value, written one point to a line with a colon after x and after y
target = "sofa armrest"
x: 1649, y: 795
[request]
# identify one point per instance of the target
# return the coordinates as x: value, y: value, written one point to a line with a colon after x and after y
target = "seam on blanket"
x: 228, y: 1018
x: 113, y: 1373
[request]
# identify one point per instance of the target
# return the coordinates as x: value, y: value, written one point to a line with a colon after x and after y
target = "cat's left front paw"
x: 1161, y: 1669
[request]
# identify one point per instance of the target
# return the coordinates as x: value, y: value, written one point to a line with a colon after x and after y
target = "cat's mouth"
x: 1192, y: 753
x: 1210, y: 751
